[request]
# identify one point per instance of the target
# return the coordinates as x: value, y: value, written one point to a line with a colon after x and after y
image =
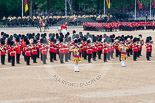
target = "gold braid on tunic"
x: 76, y: 58
x: 123, y: 52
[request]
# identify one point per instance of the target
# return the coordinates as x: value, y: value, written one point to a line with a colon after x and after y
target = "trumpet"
x: 30, y: 46
x: 1, y: 48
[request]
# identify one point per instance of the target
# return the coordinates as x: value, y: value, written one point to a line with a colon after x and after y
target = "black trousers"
x: 89, y: 58
x: 117, y: 52
x: 128, y: 52
x: 24, y: 57
x: 131, y: 52
x: 51, y: 56
x: 13, y: 60
x: 112, y: 52
x: 141, y: 52
x: 109, y: 55
x: 119, y: 56
x: 23, y: 53
x: 138, y: 53
x: 27, y: 60
x: 55, y: 56
x: 38, y: 53
x: 148, y: 55
x: 3, y: 59
x: 41, y: 57
x: 99, y: 54
x: 70, y: 55
x: 135, y: 56
x: 85, y: 55
x: 66, y: 57
x: 80, y: 54
x: 35, y: 58
x: 94, y: 55
x: 44, y: 58
x: 9, y: 58
x: 61, y: 55
x: 17, y: 58
x: 105, y: 57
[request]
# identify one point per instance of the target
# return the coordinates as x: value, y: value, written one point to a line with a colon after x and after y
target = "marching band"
x: 66, y: 47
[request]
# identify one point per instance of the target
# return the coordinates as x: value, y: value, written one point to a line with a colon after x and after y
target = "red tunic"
x: 99, y: 47
x: 55, y: 49
x: 2, y: 51
x: 135, y: 49
x: 89, y: 50
x: 12, y: 52
x: 105, y: 48
x: 116, y: 46
x: 84, y: 47
x: 51, y: 48
x: 44, y: 51
x: 27, y: 51
x: 61, y: 50
x: 34, y: 50
x: 8, y: 48
x: 94, y: 48
x: 148, y: 49
x: 18, y: 49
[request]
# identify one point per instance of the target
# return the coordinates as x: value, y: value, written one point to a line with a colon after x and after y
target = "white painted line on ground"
x: 29, y: 100
x: 120, y: 93
x: 4, y: 68
x: 60, y: 65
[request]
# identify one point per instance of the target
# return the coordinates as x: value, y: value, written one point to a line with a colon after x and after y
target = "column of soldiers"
x: 119, y: 25
x: 49, y: 20
x: 90, y: 47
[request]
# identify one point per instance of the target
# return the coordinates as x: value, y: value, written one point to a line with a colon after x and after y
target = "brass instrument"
x: 1, y: 48
x: 31, y: 41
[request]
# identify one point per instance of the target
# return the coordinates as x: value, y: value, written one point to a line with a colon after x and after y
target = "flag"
x: 140, y: 4
x: 26, y: 6
x: 70, y: 5
x: 154, y: 4
x: 108, y: 3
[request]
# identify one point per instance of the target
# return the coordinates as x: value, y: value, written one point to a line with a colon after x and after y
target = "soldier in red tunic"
x: 94, y: 47
x: 85, y: 50
x: 34, y: 51
x: 2, y: 50
x: 12, y: 53
x: 18, y: 50
x: 24, y: 49
x: 116, y: 47
x: 27, y: 53
x: 105, y: 48
x: 148, y: 47
x: 99, y: 48
x: 8, y: 50
x: 44, y: 54
x: 51, y: 51
x: 61, y: 51
x: 135, y: 49
x: 89, y: 51
x: 55, y: 46
x: 148, y: 50
x: 66, y: 52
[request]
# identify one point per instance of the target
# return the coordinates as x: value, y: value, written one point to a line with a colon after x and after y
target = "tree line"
x: 14, y: 7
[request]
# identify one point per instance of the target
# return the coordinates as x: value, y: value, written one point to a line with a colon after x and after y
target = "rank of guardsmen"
x: 129, y: 25
x: 48, y: 20
x: 100, y: 23
x: 37, y: 47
